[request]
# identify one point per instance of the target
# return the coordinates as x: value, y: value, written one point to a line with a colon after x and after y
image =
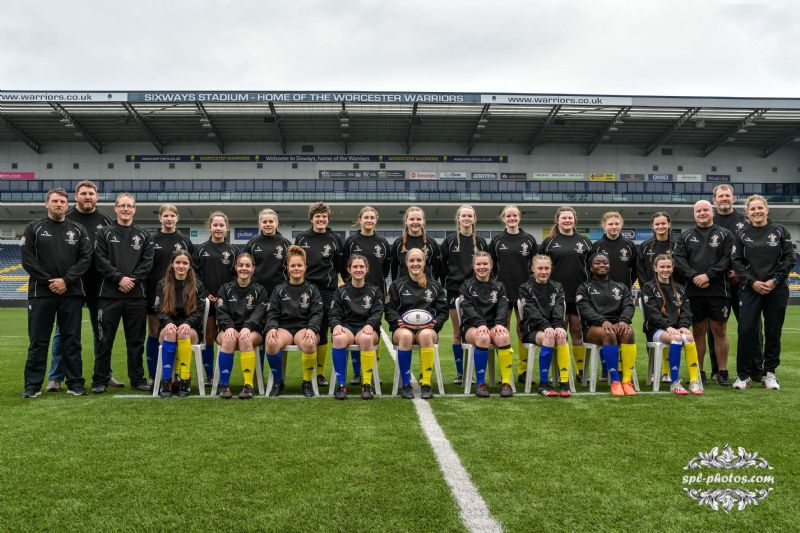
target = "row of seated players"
x: 247, y: 319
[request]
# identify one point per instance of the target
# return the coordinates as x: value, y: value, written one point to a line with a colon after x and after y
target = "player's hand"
x: 760, y: 287
x: 608, y: 327
x: 229, y: 335
x: 561, y: 335
x: 500, y: 330
x: 211, y: 298
x: 623, y: 328
x: 183, y: 329
x: 337, y: 331
x: 58, y: 285
x: 672, y: 331
x: 244, y: 333
x: 170, y: 329
x: 126, y: 284
x: 368, y: 330
x: 701, y: 280
x: 483, y: 331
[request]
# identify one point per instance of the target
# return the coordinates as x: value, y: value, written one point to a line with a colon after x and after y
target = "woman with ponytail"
x: 414, y: 236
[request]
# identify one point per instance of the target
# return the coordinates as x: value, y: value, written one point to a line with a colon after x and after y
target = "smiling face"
x: 511, y: 217
x: 482, y: 266
x: 415, y: 262
x: 86, y: 199
x: 181, y: 264
x: 757, y: 212
x: 415, y: 221
x: 541, y: 270
x: 296, y: 267
x: 125, y: 208
x: 168, y: 219
x: 600, y: 266
x: 661, y: 227
x: 368, y: 220
x: 566, y: 222
x: 466, y: 219
x: 612, y: 227
x: 358, y: 269
x: 218, y: 229
x: 724, y: 200
x: 664, y: 268
x: 268, y: 225
x: 703, y: 214
x: 319, y: 221
x: 244, y: 268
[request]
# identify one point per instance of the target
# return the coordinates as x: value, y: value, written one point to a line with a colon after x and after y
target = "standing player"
x: 569, y: 252
x: 215, y: 260
x: 512, y: 252
x: 414, y: 236
x: 165, y: 243
x: 372, y: 246
x: 457, y: 252
x: 55, y: 253
x: 660, y: 244
x: 269, y: 251
x: 85, y: 213
x: 763, y: 259
x: 324, y: 253
x: 123, y: 255
x: 703, y: 256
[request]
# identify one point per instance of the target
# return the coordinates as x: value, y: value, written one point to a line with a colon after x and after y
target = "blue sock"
x: 225, y: 367
x: 481, y: 359
x: 603, y: 366
x: 355, y: 357
x: 458, y: 355
x: 168, y: 350
x: 545, y: 360
x: 275, y: 365
x: 339, y: 356
x: 610, y: 355
x: 151, y: 354
x: 674, y: 360
x: 404, y: 362
x: 208, y: 360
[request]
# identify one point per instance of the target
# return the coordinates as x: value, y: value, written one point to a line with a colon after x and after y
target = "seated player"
x: 543, y: 323
x: 179, y: 308
x: 356, y: 316
x: 294, y: 316
x: 416, y: 291
x: 241, y: 307
x: 606, y: 310
x: 484, y: 321
x: 667, y: 319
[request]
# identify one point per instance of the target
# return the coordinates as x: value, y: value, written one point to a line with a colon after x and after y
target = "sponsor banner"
x: 581, y: 231
x: 362, y: 174
x: 244, y: 234
x: 308, y: 158
x: 718, y: 177
x: 443, y: 158
x: 484, y: 175
x: 62, y: 96
x: 632, y: 177
x: 689, y: 177
x: 513, y: 176
x: 354, y: 97
x: 603, y: 176
x: 14, y: 176
x: 556, y: 99
x: 557, y: 176
x: 628, y: 233
x: 458, y: 175
x: 659, y: 177
x: 417, y: 175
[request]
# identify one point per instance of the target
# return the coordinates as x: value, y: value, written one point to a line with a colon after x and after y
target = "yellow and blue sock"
x: 208, y: 360
x: 404, y: 362
x: 545, y: 360
x: 168, y: 349
x: 275, y: 366
x: 665, y: 362
x: 562, y: 358
x: 628, y: 352
x: 674, y: 360
x: 458, y: 356
x: 184, y: 356
x: 339, y: 356
x: 248, y: 362
x: 522, y: 362
x: 322, y: 358
x: 367, y: 364
x: 151, y: 355
x: 611, y: 355
x: 481, y: 359
x: 426, y: 356
x: 506, y: 357
x: 691, y: 360
x: 579, y: 351
x: 355, y: 358
x: 308, y: 361
x: 225, y: 367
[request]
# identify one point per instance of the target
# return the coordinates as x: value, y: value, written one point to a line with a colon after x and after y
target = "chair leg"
x: 332, y: 382
x: 215, y: 380
x: 571, y: 371
x: 260, y: 371
x: 469, y: 365
x: 157, y: 378
x: 396, y: 379
x: 197, y: 353
x: 376, y: 378
x: 529, y: 370
x: 437, y: 364
x: 593, y: 364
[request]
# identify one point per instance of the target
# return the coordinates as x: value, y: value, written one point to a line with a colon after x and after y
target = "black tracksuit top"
x: 457, y: 253
x: 543, y: 306
x: 483, y: 303
x: 705, y: 251
x: 678, y: 311
x: 269, y: 255
x: 763, y: 253
x: 93, y: 222
x: 732, y: 222
x: 433, y: 256
x: 324, y: 257
x: 646, y: 254
x: 405, y: 294
x: 377, y: 251
x: 621, y: 254
x: 356, y: 307
x: 179, y: 317
x: 123, y: 251
x: 216, y: 264
x: 512, y: 255
x: 164, y: 246
x: 55, y: 249
x: 570, y: 256
x: 604, y: 300
x: 295, y: 307
x: 241, y: 307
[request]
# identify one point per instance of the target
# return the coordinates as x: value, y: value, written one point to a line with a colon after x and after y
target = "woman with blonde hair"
x: 414, y: 236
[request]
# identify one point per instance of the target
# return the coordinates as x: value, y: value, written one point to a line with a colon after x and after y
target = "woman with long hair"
x: 660, y: 243
x: 414, y: 236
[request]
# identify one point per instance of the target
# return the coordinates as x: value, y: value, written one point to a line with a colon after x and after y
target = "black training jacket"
x: 543, y: 306
x: 324, y: 257
x: 512, y: 255
x: 241, y: 307
x: 405, y: 294
x: 55, y: 249
x: 377, y: 251
x: 92, y: 222
x: 570, y: 256
x: 164, y: 246
x: 763, y: 253
x: 123, y: 251
x: 678, y: 311
x: 646, y: 254
x: 179, y: 317
x: 457, y: 253
x: 621, y: 254
x: 705, y: 251
x: 483, y: 303
x: 601, y: 300
x: 295, y: 307
x: 357, y: 307
x: 433, y: 256
x: 216, y: 264
x: 269, y: 255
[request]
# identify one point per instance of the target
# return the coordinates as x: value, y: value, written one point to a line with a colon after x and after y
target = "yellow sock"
x: 248, y: 362
x: 665, y: 360
x: 426, y: 359
x: 322, y: 358
x: 506, y: 357
x: 367, y: 363
x: 628, y: 352
x: 562, y: 358
x: 308, y: 360
x: 522, y: 362
x: 690, y: 350
x: 184, y: 356
x: 580, y: 356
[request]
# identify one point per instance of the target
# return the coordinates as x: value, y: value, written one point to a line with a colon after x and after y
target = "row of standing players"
x: 511, y: 252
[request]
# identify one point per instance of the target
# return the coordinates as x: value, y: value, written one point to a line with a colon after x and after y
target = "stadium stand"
x: 13, y: 278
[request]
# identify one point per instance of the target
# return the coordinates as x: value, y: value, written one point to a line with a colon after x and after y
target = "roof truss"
x: 70, y: 121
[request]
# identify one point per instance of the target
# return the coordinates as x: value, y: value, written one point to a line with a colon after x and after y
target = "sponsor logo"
x: 45, y: 234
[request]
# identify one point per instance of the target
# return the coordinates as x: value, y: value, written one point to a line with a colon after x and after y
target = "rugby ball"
x: 417, y: 317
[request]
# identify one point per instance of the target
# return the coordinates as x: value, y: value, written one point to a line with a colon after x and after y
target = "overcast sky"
x: 676, y: 47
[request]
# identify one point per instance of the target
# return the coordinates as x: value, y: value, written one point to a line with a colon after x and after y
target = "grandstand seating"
x: 12, y: 276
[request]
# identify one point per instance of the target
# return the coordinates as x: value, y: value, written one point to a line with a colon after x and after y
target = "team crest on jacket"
x: 725, y: 312
x: 378, y: 251
x: 226, y: 258
x: 623, y: 255
x: 249, y: 301
x: 304, y: 301
x: 615, y: 292
x: 428, y: 295
x: 579, y: 248
x: 137, y: 242
x: 367, y: 301
x: 326, y: 250
x: 493, y: 297
x: 553, y: 300
x: 773, y: 239
x: 178, y: 247
x: 739, y: 225
x: 71, y: 238
x: 278, y: 252
x: 523, y: 249
x: 714, y: 241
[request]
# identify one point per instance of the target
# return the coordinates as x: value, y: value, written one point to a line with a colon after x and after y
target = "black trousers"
x: 42, y: 314
x: 751, y: 307
x: 759, y: 354
x: 133, y: 312
x: 327, y: 298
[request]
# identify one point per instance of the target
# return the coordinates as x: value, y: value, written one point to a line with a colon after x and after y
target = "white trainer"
x: 742, y: 384
x: 770, y: 382
x: 677, y: 388
x: 696, y: 387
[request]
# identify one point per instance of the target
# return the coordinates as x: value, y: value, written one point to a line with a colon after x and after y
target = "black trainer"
x: 604, y: 375
x: 321, y: 381
x: 427, y: 392
x: 30, y: 392
x: 226, y: 393
x: 722, y: 378
x: 564, y: 391
x: 277, y: 389
x: 481, y: 391
x: 98, y: 389
x: 703, y: 377
x: 506, y: 391
x: 308, y: 389
x: 246, y: 393
x: 522, y: 376
x: 77, y: 390
x: 407, y: 392
x: 546, y: 390
x: 143, y: 386
x: 340, y: 393
x: 166, y: 389
x: 185, y: 388
x: 366, y: 392
x: 580, y: 376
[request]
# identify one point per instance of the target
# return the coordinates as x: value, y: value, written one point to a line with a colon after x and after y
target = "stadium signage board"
x: 306, y: 158
x: 484, y: 175
x: 632, y: 177
x: 689, y: 177
x: 513, y: 176
x: 17, y: 176
x: 417, y: 175
x: 603, y: 176
x: 718, y: 177
x: 557, y: 176
x: 457, y: 175
x: 659, y: 177
x: 362, y: 174
x: 245, y: 234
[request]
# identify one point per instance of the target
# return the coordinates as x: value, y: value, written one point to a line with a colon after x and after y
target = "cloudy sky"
x: 675, y: 47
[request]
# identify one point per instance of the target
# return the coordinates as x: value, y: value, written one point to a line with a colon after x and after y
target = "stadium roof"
x: 221, y: 118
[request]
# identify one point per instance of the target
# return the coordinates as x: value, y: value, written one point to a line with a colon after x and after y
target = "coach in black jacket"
x: 124, y: 256
x: 55, y: 253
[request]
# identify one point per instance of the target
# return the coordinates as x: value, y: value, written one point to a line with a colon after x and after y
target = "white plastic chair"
x: 655, y: 355
x: 436, y: 365
x: 286, y: 349
x: 554, y: 370
x: 197, y: 354
x: 259, y: 378
x: 595, y: 366
x: 376, y: 377
x: 469, y: 363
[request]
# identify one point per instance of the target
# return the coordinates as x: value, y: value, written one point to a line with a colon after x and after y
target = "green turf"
x: 589, y: 463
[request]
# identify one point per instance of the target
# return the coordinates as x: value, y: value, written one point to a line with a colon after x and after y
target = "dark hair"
x: 318, y: 208
x: 59, y: 191
x: 356, y: 257
x: 562, y: 209
x: 678, y: 301
x: 168, y: 302
x: 85, y: 183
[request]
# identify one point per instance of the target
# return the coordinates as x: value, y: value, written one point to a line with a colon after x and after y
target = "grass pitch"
x: 589, y: 463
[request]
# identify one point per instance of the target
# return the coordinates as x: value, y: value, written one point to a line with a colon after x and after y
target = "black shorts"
x: 451, y: 299
x: 572, y: 308
x: 529, y: 337
x: 715, y: 308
